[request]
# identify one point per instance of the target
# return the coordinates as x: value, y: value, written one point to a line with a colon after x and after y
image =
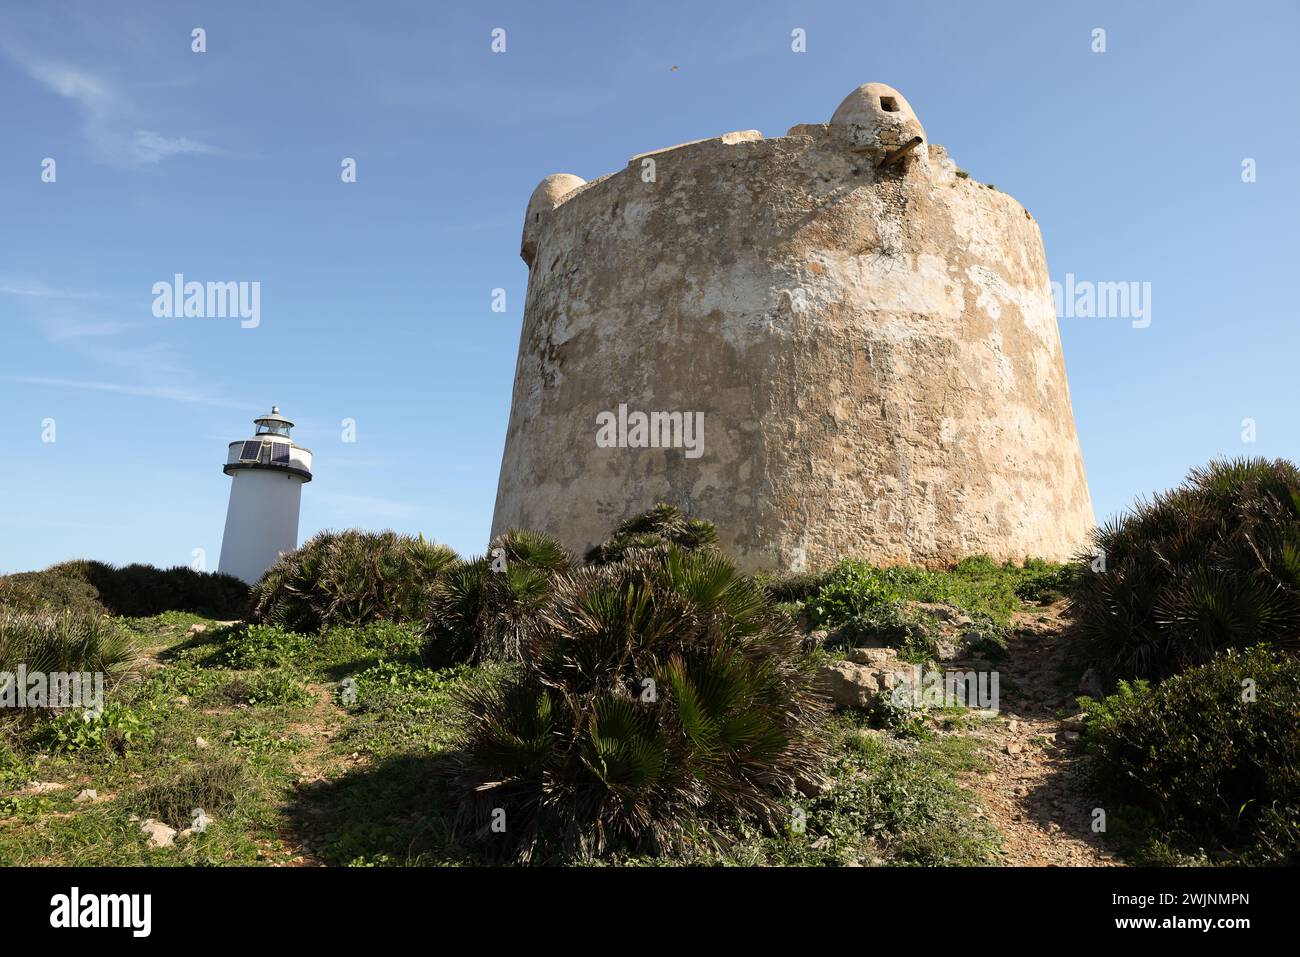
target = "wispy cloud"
x: 38, y: 290
x: 109, y: 116
x: 90, y: 328
x: 146, y: 391
x: 60, y: 314
x: 150, y: 147
x: 89, y: 325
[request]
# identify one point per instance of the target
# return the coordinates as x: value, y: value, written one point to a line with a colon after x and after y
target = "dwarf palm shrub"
x: 1212, y: 564
x: 659, y: 695
x: 661, y: 525
x: 351, y: 578
x: 93, y: 587
x: 488, y: 608
x: 47, y: 591
x: 143, y: 590
x: 1214, y: 751
x: 65, y: 642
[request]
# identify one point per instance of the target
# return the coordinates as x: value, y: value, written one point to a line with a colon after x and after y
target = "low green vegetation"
x: 266, y: 688
x: 1209, y: 758
x: 210, y: 726
x: 887, y: 801
x: 977, y: 586
x: 899, y: 606
x: 246, y: 646
x: 904, y: 798
x: 114, y: 729
x: 683, y: 726
x: 341, y: 747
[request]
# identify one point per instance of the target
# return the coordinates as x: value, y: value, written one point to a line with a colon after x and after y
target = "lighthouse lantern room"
x: 268, y: 472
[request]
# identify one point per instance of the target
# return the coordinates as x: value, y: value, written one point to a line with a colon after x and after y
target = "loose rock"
x: 160, y: 835
x: 944, y: 649
x: 848, y: 685
x: 874, y: 657
x: 1074, y: 722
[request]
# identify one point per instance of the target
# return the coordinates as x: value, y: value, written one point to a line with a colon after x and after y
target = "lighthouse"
x: 268, y: 472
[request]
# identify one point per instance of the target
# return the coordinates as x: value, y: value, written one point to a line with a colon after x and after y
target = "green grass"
x: 895, y: 802
x: 339, y: 741
x: 978, y: 586
x: 891, y: 802
x: 863, y: 604
x: 277, y: 764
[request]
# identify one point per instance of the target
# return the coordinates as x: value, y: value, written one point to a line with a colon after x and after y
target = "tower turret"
x: 268, y: 472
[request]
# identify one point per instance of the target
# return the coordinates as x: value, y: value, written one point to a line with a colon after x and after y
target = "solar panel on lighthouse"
x: 250, y: 451
x: 280, y: 453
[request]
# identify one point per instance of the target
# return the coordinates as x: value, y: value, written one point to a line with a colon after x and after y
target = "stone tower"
x: 832, y: 343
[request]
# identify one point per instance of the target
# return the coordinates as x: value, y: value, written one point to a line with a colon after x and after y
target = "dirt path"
x: 312, y: 766
x: 1035, y: 792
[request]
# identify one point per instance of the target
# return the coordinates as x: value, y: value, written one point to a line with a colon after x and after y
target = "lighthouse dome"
x: 273, y: 423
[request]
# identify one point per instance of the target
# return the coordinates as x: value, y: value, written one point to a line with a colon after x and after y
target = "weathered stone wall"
x: 874, y: 351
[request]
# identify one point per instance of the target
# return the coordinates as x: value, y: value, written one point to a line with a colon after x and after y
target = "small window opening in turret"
x: 889, y: 104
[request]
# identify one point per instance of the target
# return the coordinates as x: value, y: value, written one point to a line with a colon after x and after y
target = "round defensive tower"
x: 268, y: 472
x: 862, y: 336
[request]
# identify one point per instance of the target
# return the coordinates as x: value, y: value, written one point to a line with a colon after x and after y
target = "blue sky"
x: 376, y: 295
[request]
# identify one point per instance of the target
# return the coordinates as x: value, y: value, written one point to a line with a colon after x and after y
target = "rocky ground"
x: 1034, y: 790
x: 1036, y: 793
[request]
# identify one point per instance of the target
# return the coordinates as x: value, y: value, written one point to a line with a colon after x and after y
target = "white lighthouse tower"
x: 268, y: 472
